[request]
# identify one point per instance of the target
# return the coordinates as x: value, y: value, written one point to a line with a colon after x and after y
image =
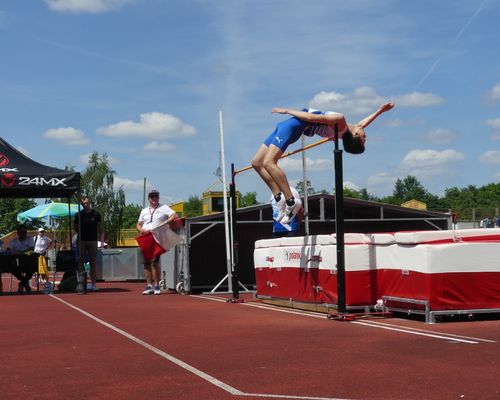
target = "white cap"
x: 41, y: 230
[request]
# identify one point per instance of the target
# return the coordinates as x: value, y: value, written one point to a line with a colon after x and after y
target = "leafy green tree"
x: 301, y: 188
x: 249, y: 199
x: 9, y: 208
x: 361, y: 194
x: 97, y: 183
x: 348, y: 192
x: 193, y: 207
x: 484, y: 199
x: 130, y: 216
x: 408, y: 189
x: 390, y: 200
x: 489, y: 195
x: 461, y: 198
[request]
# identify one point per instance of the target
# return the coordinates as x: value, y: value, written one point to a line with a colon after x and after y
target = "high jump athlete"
x: 307, y: 122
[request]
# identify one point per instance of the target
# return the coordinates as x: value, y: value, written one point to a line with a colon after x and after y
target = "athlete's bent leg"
x: 258, y: 165
x: 270, y: 165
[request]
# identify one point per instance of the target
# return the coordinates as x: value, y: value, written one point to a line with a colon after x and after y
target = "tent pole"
x: 69, y: 220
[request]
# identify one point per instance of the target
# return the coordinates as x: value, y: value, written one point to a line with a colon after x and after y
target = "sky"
x: 146, y: 82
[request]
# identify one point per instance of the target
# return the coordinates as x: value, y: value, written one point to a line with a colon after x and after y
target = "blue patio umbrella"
x: 52, y: 210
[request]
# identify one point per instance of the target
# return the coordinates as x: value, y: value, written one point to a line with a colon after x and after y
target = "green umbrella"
x: 52, y: 210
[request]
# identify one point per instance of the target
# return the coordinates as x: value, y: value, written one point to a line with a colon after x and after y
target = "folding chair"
x: 28, y: 262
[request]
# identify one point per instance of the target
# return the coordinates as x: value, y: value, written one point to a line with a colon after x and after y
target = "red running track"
x: 117, y: 344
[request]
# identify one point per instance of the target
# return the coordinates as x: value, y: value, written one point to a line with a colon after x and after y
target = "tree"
x: 489, y: 195
x: 130, y: 215
x: 97, y: 183
x: 486, y: 198
x: 193, y: 207
x: 361, y: 194
x: 9, y: 208
x: 408, y: 189
x: 249, y: 199
x: 300, y: 188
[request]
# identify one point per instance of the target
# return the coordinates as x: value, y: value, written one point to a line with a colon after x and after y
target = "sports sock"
x: 277, y: 197
x: 290, y: 202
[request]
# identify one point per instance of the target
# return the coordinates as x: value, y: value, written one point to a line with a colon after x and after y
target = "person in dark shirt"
x: 90, y: 230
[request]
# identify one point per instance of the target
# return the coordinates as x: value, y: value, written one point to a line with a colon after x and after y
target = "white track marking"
x: 284, y: 396
x: 441, y: 333
x: 210, y: 379
x: 372, y: 324
x: 402, y: 329
x: 176, y: 361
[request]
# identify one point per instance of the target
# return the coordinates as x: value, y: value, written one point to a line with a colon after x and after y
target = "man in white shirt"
x: 150, y: 217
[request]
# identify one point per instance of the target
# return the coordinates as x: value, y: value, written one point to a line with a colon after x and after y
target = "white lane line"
x: 176, y: 361
x: 448, y: 338
x: 284, y: 396
x: 440, y: 333
x: 210, y: 379
x: 373, y: 324
x: 269, y: 307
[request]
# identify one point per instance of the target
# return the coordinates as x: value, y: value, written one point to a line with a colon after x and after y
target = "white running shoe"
x: 291, y: 212
x: 149, y: 290
x: 281, y: 208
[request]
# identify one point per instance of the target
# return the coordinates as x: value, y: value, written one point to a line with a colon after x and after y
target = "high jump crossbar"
x: 290, y: 153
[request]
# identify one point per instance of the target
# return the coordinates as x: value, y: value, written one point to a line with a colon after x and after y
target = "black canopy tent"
x: 21, y: 177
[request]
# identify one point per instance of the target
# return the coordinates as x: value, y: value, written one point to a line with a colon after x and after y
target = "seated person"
x: 21, y: 244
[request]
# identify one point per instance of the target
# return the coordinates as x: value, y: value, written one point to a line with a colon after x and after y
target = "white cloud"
x: 380, y: 184
x: 496, y: 177
x: 381, y: 179
x: 425, y: 163
x: 365, y: 100
x: 494, y: 123
x: 351, y: 185
x: 440, y: 136
x: 68, y: 136
x: 362, y: 100
x: 295, y: 164
x: 158, y: 146
x: 490, y: 157
x: 85, y: 6
x: 136, y: 186
x: 494, y: 93
x: 417, y: 99
x: 152, y: 125
x: 130, y: 184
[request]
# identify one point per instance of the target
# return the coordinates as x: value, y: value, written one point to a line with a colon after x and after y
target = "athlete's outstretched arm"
x: 369, y: 119
x: 328, y: 119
